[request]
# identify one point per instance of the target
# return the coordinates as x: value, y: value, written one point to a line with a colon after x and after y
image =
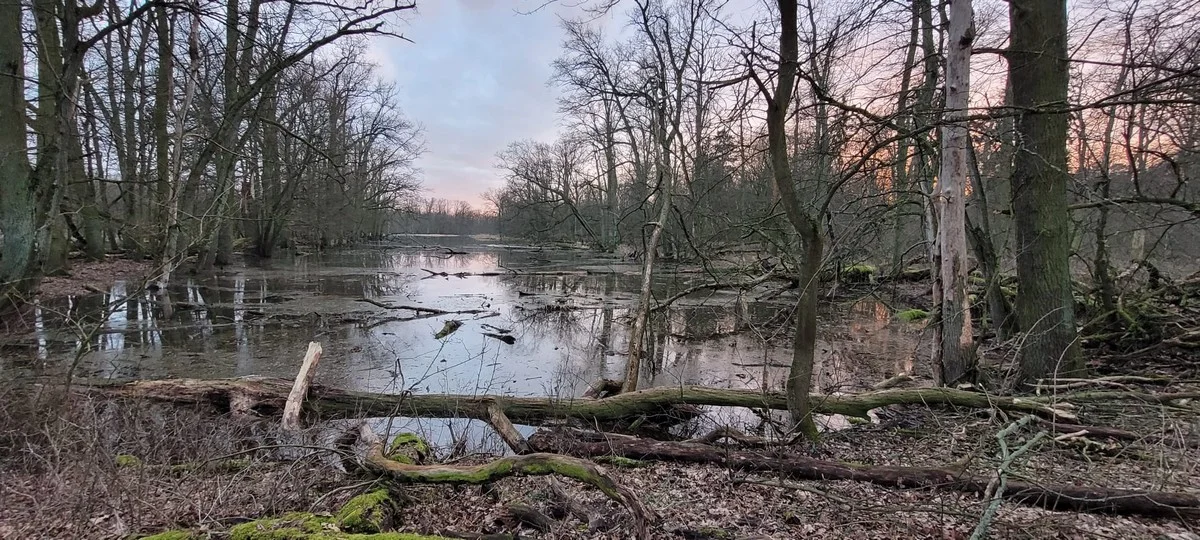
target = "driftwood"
x: 295, y: 400
x: 266, y: 396
x: 374, y: 461
x: 748, y: 284
x: 507, y: 431
x: 430, y: 312
x: 1052, y: 497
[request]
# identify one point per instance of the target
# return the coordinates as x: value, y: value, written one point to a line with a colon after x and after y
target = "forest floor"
x: 98, y: 468
x: 86, y: 277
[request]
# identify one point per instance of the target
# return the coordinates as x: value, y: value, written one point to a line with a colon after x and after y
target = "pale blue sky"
x: 476, y: 77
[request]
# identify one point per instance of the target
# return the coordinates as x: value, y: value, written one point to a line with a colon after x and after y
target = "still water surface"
x: 568, y: 311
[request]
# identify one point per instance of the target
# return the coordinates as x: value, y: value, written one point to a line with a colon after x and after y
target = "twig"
x: 1002, y: 472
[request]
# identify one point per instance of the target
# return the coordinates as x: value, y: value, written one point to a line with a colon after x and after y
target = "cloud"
x: 476, y: 78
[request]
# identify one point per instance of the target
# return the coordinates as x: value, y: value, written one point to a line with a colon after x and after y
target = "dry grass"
x: 61, y: 475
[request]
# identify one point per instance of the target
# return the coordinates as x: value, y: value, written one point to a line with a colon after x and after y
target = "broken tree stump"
x: 295, y: 400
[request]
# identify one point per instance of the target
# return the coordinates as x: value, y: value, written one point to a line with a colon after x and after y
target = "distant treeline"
x: 441, y: 216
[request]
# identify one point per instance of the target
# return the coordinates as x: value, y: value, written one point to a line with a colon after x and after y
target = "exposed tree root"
x: 529, y: 464
x: 1052, y: 497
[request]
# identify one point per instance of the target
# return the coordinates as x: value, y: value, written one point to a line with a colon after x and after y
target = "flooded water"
x: 567, y: 310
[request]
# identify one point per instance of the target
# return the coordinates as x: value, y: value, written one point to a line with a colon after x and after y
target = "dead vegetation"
x: 86, y: 465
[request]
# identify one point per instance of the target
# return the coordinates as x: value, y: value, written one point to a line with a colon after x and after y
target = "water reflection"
x: 569, y: 320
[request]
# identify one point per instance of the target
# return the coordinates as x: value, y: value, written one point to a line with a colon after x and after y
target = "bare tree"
x: 954, y: 348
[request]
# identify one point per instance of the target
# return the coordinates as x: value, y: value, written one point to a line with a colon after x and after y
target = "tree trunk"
x: 983, y: 243
x: 1037, y: 59
x: 162, y: 142
x: 900, y: 177
x: 954, y: 346
x: 18, y: 278
x: 637, y: 330
x: 804, y: 342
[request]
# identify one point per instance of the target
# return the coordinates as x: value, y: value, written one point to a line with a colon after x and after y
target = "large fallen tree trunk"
x: 525, y: 465
x: 1053, y: 497
x: 266, y: 396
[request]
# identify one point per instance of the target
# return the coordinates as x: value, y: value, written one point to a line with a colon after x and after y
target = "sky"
x: 476, y: 77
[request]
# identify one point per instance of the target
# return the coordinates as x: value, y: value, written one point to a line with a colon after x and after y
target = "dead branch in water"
x: 422, y: 309
x: 750, y: 284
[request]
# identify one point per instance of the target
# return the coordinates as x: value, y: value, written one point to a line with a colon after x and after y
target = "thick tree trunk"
x: 18, y: 210
x: 1037, y: 59
x: 954, y: 346
x: 1052, y: 497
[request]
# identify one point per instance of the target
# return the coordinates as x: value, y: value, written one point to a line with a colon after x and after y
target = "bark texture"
x: 1037, y: 70
x: 954, y: 344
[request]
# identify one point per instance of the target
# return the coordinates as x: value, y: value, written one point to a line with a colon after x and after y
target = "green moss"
x: 621, y: 461
x: 126, y: 460
x: 859, y: 273
x: 366, y: 513
x: 171, y: 535
x: 408, y: 448
x: 912, y: 315
x: 304, y: 526
x: 714, y: 533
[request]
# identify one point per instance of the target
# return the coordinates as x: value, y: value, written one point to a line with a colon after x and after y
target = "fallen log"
x: 1052, y: 497
x: 266, y: 396
x: 374, y: 461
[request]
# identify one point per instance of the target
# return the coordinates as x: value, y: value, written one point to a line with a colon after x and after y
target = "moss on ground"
x: 859, y: 273
x: 171, y: 535
x: 127, y: 460
x: 912, y: 315
x: 408, y: 448
x: 367, y: 513
x: 305, y: 526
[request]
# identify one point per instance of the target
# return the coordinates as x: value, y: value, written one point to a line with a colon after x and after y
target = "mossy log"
x: 305, y: 526
x: 365, y: 517
x: 523, y: 465
x: 1052, y: 497
x: 266, y: 396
